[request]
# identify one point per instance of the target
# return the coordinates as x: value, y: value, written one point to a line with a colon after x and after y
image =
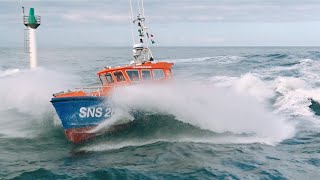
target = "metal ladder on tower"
x: 26, y: 41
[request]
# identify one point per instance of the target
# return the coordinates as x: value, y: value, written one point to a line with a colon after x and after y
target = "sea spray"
x: 25, y: 97
x: 205, y: 106
x: 248, y: 84
x: 291, y: 96
x: 252, y: 85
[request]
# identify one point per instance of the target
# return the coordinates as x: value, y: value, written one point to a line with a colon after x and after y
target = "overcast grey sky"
x: 173, y: 22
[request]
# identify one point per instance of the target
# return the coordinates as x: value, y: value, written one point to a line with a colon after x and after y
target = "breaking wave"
x: 292, y: 96
x: 25, y: 99
x: 207, y: 107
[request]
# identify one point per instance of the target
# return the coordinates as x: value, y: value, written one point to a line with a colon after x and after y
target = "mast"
x: 141, y: 50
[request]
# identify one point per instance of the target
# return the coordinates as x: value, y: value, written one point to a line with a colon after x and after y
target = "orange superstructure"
x: 124, y: 75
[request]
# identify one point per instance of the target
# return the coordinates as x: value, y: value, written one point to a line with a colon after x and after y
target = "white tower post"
x: 32, y: 22
x: 32, y: 48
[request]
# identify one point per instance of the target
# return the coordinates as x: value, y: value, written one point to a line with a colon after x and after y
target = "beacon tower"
x: 32, y: 22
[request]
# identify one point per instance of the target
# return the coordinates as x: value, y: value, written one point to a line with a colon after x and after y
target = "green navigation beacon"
x: 32, y: 20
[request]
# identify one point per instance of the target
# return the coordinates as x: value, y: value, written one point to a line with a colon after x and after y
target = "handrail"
x: 92, y: 87
x: 26, y: 19
x: 97, y: 89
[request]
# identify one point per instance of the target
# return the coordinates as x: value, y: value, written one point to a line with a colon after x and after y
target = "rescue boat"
x: 83, y: 109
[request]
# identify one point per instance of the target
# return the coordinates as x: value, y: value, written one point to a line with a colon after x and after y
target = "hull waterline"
x: 79, y: 115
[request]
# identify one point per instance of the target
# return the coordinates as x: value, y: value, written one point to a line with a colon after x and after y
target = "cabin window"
x: 168, y: 73
x: 109, y: 78
x: 146, y: 75
x: 133, y: 75
x: 119, y: 76
x: 102, y: 80
x: 158, y: 74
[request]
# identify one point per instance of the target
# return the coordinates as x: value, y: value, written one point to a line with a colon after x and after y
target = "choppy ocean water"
x: 231, y: 113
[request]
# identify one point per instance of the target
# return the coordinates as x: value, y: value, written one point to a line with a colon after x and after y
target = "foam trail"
x: 215, y: 109
x: 113, y: 145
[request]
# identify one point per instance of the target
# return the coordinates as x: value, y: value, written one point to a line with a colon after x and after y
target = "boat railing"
x: 92, y: 89
x: 89, y: 88
x: 26, y: 20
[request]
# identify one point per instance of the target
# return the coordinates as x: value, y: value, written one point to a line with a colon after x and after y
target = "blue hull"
x: 84, y: 111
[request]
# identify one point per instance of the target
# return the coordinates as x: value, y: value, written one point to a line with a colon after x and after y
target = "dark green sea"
x: 230, y: 113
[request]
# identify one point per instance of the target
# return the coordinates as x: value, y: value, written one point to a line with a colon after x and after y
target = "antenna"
x: 141, y: 50
x: 131, y: 21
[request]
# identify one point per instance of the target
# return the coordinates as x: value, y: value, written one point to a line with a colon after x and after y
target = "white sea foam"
x: 309, y: 68
x: 29, y: 90
x: 223, y: 81
x: 293, y: 94
x: 295, y: 97
x: 25, y: 98
x: 248, y: 84
x: 274, y: 72
x: 214, y: 59
x: 208, y: 107
x: 287, y: 84
x: 252, y: 85
x: 309, y: 71
x: 191, y: 59
x: 8, y: 72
